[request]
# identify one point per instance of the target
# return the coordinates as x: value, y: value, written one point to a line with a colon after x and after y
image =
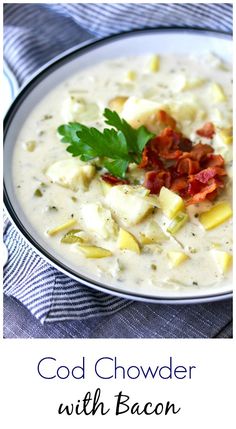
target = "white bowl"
x: 86, y: 55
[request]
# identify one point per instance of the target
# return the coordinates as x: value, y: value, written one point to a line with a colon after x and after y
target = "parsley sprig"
x: 117, y: 147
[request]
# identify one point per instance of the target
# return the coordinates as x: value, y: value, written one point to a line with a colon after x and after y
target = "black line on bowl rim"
x: 37, y: 78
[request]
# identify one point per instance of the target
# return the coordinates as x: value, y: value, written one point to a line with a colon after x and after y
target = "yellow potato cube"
x: 117, y: 103
x: 98, y: 219
x: 223, y: 260
x: 71, y: 173
x: 94, y: 251
x: 176, y: 258
x: 218, y: 93
x: 154, y: 64
x: 131, y: 75
x: 62, y: 227
x: 126, y: 241
x: 129, y: 204
x: 152, y: 233
x: 137, y: 111
x: 216, y: 215
x: 226, y: 135
x: 170, y: 202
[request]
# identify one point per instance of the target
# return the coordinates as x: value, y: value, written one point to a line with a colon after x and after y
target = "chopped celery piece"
x: 30, y: 145
x: 62, y: 227
x: 70, y: 237
x: 216, y: 215
x: 38, y: 193
x: 94, y: 251
x: 179, y: 220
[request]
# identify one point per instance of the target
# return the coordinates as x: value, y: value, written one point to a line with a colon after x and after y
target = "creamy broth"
x: 180, y: 81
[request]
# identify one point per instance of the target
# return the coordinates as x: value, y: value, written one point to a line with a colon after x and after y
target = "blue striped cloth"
x: 33, y: 36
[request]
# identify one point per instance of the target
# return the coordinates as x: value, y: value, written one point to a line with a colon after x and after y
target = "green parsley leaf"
x: 117, y: 167
x: 117, y: 146
x: 136, y: 138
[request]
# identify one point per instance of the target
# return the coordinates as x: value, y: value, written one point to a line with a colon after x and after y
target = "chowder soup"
x: 167, y: 222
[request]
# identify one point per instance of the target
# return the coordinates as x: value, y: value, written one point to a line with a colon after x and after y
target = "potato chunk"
x: 128, y: 204
x: 223, y: 260
x: 126, y: 241
x: 170, y: 202
x: 226, y: 135
x: 98, y: 219
x: 152, y: 233
x: 71, y: 173
x: 117, y: 103
x: 154, y: 63
x: 177, y: 258
x: 136, y: 111
x: 216, y: 215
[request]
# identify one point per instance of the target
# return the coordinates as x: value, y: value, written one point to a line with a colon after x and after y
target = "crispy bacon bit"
x: 208, y: 173
x: 180, y: 186
x: 166, y: 145
x: 207, y: 131
x: 185, y: 144
x: 202, y: 195
x: 193, y: 171
x: 150, y: 158
x: 154, y: 180
x: 200, y: 151
x: 214, y: 160
x: 112, y: 180
x: 187, y: 166
x: 166, y: 119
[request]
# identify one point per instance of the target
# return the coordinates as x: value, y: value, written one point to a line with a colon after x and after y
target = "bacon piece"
x: 212, y: 195
x: 154, y: 180
x: 207, y: 131
x: 202, y: 195
x: 208, y: 173
x: 187, y: 166
x: 214, y: 161
x: 185, y: 144
x: 168, y: 144
x: 200, y: 151
x: 194, y: 187
x: 150, y: 158
x: 166, y: 119
x: 180, y: 186
x: 112, y: 180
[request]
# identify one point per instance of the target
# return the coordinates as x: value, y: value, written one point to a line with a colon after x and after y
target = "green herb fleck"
x: 38, y: 193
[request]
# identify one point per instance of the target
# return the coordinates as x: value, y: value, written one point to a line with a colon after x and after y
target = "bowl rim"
x: 35, y: 79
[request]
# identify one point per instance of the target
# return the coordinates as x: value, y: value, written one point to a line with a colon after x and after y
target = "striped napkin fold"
x: 33, y: 36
